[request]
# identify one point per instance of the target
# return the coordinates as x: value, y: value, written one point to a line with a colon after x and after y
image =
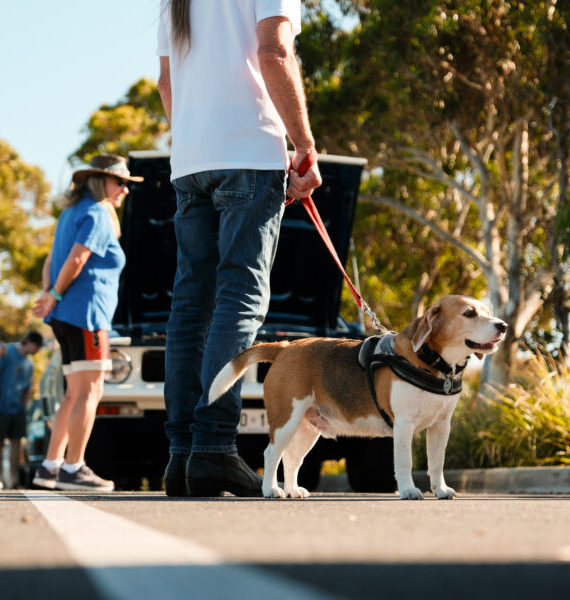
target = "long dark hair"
x: 180, y: 19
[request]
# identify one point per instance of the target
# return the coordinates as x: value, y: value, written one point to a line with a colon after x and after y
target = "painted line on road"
x: 129, y: 561
x: 100, y: 539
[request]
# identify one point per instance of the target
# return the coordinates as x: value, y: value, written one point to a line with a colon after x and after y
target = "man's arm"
x: 280, y: 72
x: 164, y: 88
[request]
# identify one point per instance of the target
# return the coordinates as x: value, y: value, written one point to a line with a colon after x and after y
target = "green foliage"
x: 395, y: 255
x: 531, y: 424
x: 434, y: 92
x: 15, y: 320
x: 24, y: 229
x: 136, y: 122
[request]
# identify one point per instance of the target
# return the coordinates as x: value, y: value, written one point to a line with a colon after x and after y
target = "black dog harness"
x: 379, y: 351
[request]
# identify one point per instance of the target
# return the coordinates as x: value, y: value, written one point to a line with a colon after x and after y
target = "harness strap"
x: 418, y: 377
x: 435, y: 360
x: 378, y: 351
x: 370, y: 379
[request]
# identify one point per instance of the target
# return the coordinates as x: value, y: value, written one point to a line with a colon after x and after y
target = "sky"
x: 59, y: 61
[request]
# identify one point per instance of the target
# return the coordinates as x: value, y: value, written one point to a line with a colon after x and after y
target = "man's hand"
x: 3, y: 350
x: 301, y: 186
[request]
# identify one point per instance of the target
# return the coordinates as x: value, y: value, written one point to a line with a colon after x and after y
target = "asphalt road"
x: 127, y: 546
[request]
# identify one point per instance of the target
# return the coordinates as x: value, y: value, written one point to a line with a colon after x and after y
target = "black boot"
x: 175, y: 475
x: 211, y: 473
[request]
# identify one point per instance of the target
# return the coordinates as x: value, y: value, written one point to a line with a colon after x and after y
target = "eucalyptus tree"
x: 453, y: 99
x: 24, y: 228
x: 135, y: 122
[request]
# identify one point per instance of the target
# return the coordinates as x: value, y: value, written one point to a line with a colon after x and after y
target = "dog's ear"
x: 425, y: 327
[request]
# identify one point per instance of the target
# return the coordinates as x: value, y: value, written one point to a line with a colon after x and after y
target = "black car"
x: 128, y: 443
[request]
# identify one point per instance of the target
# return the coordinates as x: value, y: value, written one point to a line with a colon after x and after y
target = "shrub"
x: 531, y: 424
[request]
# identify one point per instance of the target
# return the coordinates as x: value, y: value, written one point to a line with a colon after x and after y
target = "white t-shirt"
x: 222, y: 116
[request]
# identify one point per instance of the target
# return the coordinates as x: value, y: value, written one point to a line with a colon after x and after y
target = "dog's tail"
x: 237, y: 367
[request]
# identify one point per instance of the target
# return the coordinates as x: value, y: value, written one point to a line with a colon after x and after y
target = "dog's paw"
x: 411, y: 493
x: 444, y: 492
x: 274, y: 492
x: 298, y: 492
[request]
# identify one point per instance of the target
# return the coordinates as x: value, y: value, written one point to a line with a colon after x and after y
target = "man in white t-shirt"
x: 231, y: 88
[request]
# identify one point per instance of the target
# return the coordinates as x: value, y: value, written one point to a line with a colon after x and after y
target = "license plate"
x: 253, y: 420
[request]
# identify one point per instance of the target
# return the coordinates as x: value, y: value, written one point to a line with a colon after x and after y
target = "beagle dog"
x: 316, y: 386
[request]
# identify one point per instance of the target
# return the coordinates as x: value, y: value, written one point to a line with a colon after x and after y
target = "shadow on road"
x: 346, y: 581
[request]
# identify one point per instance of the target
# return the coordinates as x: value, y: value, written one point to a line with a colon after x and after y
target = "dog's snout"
x: 501, y: 326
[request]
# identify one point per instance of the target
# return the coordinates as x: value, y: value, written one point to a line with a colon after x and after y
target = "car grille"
x: 152, y: 367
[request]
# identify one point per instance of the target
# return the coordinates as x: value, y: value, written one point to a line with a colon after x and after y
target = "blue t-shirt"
x: 16, y: 372
x: 91, y: 299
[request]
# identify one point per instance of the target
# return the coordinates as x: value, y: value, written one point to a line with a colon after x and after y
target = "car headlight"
x: 121, y: 368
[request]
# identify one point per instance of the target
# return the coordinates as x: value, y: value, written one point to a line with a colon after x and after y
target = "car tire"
x: 370, y: 465
x: 156, y: 483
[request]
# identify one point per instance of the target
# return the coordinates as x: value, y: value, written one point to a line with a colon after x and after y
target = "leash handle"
x: 307, y: 162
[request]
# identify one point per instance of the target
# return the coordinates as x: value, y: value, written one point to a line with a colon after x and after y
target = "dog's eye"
x: 470, y: 313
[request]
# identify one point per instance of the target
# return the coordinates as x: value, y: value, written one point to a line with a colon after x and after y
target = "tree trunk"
x: 560, y: 293
x: 497, y: 367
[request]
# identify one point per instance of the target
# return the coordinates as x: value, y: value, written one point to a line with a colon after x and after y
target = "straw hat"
x: 105, y: 164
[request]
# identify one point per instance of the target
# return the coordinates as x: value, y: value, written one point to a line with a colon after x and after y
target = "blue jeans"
x: 227, y: 226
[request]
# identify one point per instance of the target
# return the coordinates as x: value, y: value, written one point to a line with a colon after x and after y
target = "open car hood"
x: 305, y: 282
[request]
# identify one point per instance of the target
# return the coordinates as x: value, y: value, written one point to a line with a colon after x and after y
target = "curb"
x: 517, y: 480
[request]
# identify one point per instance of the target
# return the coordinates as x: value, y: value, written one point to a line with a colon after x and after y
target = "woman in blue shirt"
x: 81, y: 280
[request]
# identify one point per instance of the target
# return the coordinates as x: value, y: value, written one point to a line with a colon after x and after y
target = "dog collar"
x: 379, y: 351
x: 434, y: 360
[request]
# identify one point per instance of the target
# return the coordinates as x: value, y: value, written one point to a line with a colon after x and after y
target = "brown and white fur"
x: 316, y: 387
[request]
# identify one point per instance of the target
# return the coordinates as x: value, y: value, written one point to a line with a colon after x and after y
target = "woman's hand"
x: 44, y: 305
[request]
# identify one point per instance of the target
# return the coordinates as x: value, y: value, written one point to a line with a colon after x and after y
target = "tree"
x: 25, y: 230
x: 136, y: 122
x: 450, y: 98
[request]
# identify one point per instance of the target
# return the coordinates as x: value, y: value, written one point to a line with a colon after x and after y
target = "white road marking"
x: 129, y: 561
x: 564, y: 553
x: 99, y: 539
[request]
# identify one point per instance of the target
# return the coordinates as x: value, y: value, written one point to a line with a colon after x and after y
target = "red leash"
x: 313, y: 213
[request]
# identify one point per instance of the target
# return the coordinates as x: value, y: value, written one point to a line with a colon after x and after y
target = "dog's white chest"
x: 420, y: 407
